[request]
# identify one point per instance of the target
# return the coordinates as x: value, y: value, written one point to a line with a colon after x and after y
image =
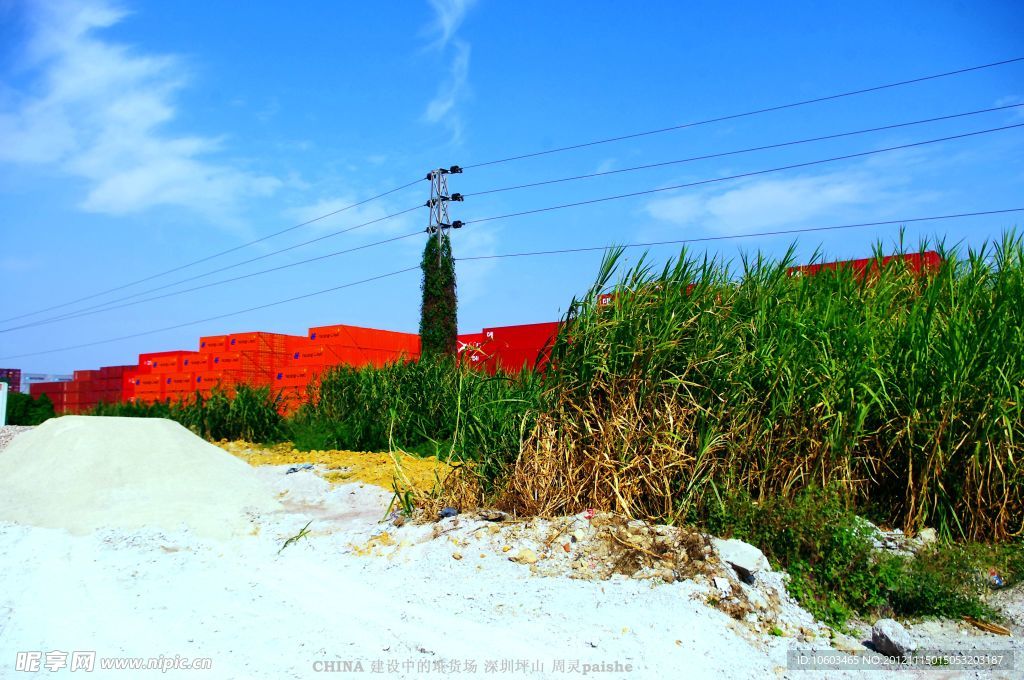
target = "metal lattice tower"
x: 439, y: 221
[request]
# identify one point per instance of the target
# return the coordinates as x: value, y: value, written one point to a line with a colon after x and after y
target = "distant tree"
x: 42, y: 410
x: 439, y: 326
x: 22, y: 409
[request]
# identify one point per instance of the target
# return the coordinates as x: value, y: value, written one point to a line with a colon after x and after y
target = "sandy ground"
x: 338, y: 594
x: 356, y: 589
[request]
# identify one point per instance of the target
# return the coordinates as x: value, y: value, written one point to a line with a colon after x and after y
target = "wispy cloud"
x: 448, y: 16
x: 375, y: 210
x: 793, y: 201
x: 98, y: 111
x: 1015, y: 114
x: 442, y: 107
x: 19, y: 265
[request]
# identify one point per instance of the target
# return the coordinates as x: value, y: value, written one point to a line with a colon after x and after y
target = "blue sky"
x: 139, y: 136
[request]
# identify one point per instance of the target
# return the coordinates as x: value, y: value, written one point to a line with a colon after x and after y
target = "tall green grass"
x: 434, y: 406
x: 250, y: 414
x: 701, y: 381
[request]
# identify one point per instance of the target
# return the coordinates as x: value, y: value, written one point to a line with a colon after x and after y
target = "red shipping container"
x: 178, y: 383
x: 509, y: 348
x: 261, y: 342
x: 294, y: 377
x: 213, y: 343
x: 366, y: 339
x: 322, y: 356
x: 919, y: 263
x: 225, y: 361
x: 128, y: 379
x: 167, y: 362
x: 207, y: 381
x: 196, y: 362
x: 109, y: 372
x: 473, y: 348
x: 527, y: 336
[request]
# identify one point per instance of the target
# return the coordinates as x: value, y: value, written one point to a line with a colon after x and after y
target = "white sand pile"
x: 85, y: 473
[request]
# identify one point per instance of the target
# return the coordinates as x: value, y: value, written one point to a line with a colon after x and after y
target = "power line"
x: 780, y: 232
x: 215, y: 255
x: 212, y: 318
x: 755, y: 112
x: 739, y: 176
x: 103, y: 305
x: 741, y: 151
x: 83, y: 313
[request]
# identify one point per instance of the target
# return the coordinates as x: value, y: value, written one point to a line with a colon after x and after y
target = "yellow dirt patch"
x: 343, y: 467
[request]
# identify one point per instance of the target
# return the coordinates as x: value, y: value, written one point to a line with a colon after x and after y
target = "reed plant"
x: 901, y: 390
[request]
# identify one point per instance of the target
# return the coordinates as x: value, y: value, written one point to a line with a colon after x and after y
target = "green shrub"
x: 434, y: 406
x: 814, y: 536
x: 250, y: 414
x: 23, y: 409
x: 835, y: 573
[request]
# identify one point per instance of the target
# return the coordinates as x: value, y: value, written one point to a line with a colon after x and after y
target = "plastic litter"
x: 448, y: 512
x: 307, y: 466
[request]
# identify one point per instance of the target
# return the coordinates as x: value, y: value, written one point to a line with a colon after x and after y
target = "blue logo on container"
x: 280, y: 375
x: 312, y: 336
x: 232, y: 341
x: 168, y: 381
x: 216, y: 360
x: 199, y: 378
x: 295, y: 356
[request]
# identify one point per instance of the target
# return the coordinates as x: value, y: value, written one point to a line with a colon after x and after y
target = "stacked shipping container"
x: 11, y: 376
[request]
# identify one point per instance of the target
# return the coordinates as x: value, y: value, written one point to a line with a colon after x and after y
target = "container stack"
x: 166, y: 375
x: 53, y: 390
x: 289, y: 365
x: 114, y: 383
x: 11, y: 376
x: 328, y: 346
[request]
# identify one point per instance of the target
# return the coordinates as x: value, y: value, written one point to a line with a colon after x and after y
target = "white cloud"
x: 375, y: 210
x: 448, y: 16
x: 19, y: 265
x: 97, y: 111
x: 778, y: 202
x: 452, y: 89
x: 1015, y: 114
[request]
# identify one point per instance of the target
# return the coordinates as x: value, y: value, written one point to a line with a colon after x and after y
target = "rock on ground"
x: 745, y: 558
x: 890, y: 637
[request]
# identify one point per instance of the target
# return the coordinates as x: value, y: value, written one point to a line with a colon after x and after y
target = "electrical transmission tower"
x: 439, y: 221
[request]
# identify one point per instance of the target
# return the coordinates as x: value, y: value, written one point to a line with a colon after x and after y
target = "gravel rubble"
x: 9, y: 432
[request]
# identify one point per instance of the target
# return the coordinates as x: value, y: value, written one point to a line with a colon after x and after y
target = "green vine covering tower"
x: 439, y: 311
